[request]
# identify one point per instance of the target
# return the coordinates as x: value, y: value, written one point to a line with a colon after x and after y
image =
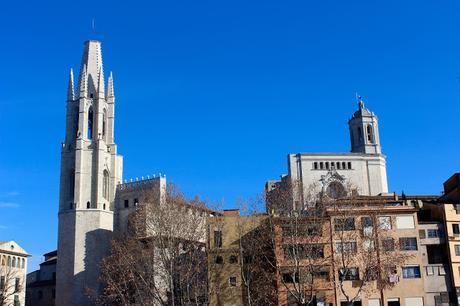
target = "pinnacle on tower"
x: 110, y: 90
x: 70, y: 88
x: 83, y: 83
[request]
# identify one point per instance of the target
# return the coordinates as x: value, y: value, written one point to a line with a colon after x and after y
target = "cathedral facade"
x: 362, y: 170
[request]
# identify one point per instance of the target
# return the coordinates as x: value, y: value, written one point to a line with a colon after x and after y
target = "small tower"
x: 90, y: 172
x: 364, y: 131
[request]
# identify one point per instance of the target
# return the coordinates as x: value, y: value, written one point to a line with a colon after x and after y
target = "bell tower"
x: 90, y: 172
x: 364, y: 131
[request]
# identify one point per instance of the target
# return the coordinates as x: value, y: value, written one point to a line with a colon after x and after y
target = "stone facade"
x: 363, y: 169
x: 41, y: 284
x: 13, y: 267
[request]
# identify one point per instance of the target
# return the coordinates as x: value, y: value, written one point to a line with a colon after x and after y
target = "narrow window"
x: 88, y: 204
x: 344, y: 165
x: 17, y: 286
x: 315, y: 165
x: 71, y: 183
x: 23, y: 263
x: 349, y: 165
x: 90, y: 124
x: 370, y: 133
x: 105, y: 185
x: 321, y: 165
x: 338, y: 165
x: 103, y: 206
x: 456, y: 229
x: 40, y: 294
x: 327, y: 165
x: 126, y: 203
x: 2, y: 282
x: 104, y: 116
x: 136, y: 202
x: 14, y: 262
x: 457, y: 250
x: 218, y: 239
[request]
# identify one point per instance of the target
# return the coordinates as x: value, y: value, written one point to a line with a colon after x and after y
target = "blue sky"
x: 216, y: 93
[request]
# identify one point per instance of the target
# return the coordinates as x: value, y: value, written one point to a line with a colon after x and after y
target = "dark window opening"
x: 88, y: 204
x: 408, y: 243
x: 233, y: 259
x: 218, y: 239
x: 90, y: 124
x: 126, y: 203
x: 219, y: 260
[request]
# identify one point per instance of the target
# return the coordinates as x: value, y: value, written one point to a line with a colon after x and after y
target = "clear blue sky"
x: 216, y: 93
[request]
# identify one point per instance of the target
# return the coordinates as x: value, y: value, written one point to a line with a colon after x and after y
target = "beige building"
x: 41, y: 283
x: 13, y: 267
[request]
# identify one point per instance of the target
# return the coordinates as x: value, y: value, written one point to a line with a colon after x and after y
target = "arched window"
x: 90, y: 123
x: 105, y: 185
x: 370, y: 133
x: 335, y: 190
x: 344, y: 165
x: 23, y: 263
x: 18, y: 263
x: 9, y: 261
x: 104, y: 120
x: 3, y: 260
x: 88, y: 204
x: 14, y: 262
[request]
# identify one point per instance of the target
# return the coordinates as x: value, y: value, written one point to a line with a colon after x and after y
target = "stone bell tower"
x: 364, y: 131
x: 90, y: 171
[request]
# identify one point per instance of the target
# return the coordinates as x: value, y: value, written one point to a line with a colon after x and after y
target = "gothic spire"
x: 70, y: 88
x: 83, y: 83
x: 92, y: 58
x: 110, y: 91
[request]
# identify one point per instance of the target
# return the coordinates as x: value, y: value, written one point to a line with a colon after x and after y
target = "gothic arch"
x: 105, y: 184
x: 90, y: 123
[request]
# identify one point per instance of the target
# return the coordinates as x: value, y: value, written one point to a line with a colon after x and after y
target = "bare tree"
x: 163, y: 260
x: 256, y: 253
x: 330, y: 235
x: 365, y: 252
x: 11, y: 282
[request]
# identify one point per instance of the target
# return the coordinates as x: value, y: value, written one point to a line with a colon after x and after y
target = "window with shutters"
x: 405, y: 222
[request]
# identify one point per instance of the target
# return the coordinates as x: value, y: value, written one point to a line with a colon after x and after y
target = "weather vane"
x: 360, y: 101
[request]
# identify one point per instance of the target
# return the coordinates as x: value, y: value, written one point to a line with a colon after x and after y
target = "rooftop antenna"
x: 93, y: 25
